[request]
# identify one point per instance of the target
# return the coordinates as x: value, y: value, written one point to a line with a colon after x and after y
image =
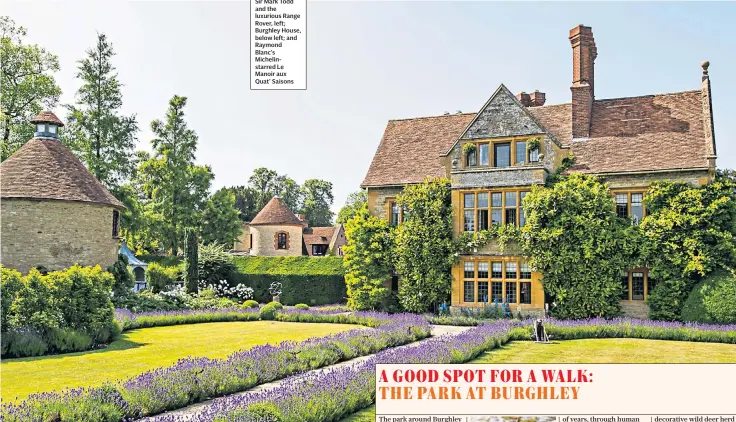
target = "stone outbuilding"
x: 277, y: 231
x: 54, y: 212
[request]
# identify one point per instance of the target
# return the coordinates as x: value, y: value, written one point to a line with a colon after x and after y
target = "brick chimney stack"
x: 524, y: 99
x: 537, y: 98
x: 584, y: 53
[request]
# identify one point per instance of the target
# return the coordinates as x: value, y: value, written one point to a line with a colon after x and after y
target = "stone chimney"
x: 537, y: 98
x: 584, y: 53
x: 524, y: 99
x: 708, y: 127
x: 303, y: 219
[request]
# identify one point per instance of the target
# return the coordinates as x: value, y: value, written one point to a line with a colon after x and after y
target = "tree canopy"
x: 28, y: 85
x: 96, y: 131
x: 353, y: 203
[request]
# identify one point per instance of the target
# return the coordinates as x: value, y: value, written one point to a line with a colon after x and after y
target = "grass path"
x: 140, y: 350
x: 614, y: 350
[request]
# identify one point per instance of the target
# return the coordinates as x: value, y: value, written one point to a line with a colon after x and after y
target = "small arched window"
x: 115, y: 223
x: 282, y: 241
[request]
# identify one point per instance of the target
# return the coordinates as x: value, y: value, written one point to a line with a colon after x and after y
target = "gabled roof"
x: 647, y: 133
x: 275, y: 213
x: 501, y: 116
x: 45, y: 169
x: 411, y: 148
x: 318, y: 235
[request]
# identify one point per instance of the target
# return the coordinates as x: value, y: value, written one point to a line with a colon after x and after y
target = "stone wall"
x: 499, y: 177
x: 242, y: 243
x: 620, y: 181
x: 264, y: 241
x: 55, y: 234
x: 377, y: 198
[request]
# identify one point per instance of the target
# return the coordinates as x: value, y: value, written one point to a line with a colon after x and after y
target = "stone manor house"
x: 518, y: 141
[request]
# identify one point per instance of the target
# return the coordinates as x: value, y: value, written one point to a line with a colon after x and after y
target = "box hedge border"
x: 314, y: 281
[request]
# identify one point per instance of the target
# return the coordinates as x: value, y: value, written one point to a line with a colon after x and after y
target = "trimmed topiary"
x: 268, y: 313
x: 713, y: 300
x: 276, y: 305
x: 250, y: 304
x: 301, y: 306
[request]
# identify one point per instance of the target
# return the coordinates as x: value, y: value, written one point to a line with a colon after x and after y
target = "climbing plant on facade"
x: 425, y: 249
x: 689, y: 233
x: 574, y: 238
x: 368, y: 258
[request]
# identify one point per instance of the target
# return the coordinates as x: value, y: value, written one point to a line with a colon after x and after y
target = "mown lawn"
x: 140, y: 350
x: 615, y: 350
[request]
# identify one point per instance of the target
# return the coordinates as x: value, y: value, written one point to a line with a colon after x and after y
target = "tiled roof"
x: 317, y: 236
x: 656, y: 132
x: 653, y: 132
x: 47, y: 117
x: 411, y: 148
x: 46, y: 169
x: 275, y: 213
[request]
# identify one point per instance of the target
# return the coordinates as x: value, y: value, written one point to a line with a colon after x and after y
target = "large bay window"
x: 505, y: 207
x: 498, y: 281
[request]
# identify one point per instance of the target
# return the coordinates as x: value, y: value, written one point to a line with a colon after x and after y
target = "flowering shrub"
x: 130, y: 321
x: 335, y: 393
x: 192, y: 380
x: 222, y: 288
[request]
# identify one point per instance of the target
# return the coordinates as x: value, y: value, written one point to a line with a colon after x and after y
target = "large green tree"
x: 424, y: 245
x: 689, y: 233
x: 28, y: 85
x: 176, y: 189
x: 98, y: 133
x: 245, y: 201
x: 263, y: 186
x: 574, y: 238
x: 353, y: 203
x: 367, y: 260
x: 317, y: 199
x: 220, y: 222
x: 290, y: 192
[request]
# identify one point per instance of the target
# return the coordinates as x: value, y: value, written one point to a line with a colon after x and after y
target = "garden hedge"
x: 713, y: 300
x: 313, y: 281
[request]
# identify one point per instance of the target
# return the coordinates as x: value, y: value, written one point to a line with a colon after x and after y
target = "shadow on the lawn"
x: 122, y: 343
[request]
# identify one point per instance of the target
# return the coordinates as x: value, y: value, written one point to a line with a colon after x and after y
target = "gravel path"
x: 187, y: 413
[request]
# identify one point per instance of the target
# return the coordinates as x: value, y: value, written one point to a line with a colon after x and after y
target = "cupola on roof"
x: 45, y: 169
x: 47, y: 125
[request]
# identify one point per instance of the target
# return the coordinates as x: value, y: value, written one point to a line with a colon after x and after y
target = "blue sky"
x: 369, y: 62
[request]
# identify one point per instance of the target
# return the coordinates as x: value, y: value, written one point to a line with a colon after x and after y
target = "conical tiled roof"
x: 275, y: 213
x: 46, y: 169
